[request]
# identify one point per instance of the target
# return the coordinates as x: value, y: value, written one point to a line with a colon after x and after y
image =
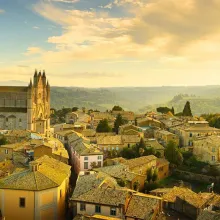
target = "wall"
x: 197, y: 177
x: 91, y: 158
x: 3, y: 155
x: 41, y: 151
x: 105, y: 210
x: 9, y: 204
x: 13, y: 120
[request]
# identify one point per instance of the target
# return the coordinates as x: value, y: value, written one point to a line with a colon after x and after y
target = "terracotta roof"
x: 142, y: 206
x: 162, y: 162
x: 86, y: 149
x: 51, y: 173
x: 131, y: 138
x: 154, y: 144
x: 89, y: 133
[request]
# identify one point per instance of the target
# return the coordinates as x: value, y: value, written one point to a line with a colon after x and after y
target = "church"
x: 26, y: 108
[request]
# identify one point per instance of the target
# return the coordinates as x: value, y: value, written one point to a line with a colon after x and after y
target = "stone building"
x: 26, y: 107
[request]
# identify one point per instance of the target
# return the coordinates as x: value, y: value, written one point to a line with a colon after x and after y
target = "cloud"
x: 65, y: 1
x: 2, y: 11
x: 33, y: 51
x: 150, y: 31
x: 36, y: 27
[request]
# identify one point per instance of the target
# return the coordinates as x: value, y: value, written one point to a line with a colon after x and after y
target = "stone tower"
x: 38, y: 104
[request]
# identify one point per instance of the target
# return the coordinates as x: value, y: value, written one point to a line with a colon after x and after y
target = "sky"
x: 111, y: 43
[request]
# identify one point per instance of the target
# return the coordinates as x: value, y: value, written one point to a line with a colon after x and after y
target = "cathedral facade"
x: 26, y: 108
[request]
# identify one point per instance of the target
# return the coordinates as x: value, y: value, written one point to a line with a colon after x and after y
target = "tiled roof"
x: 61, y: 152
x: 88, y: 133
x: 131, y: 138
x: 94, y: 217
x: 104, y: 196
x: 109, y: 140
x: 162, y: 162
x: 19, y: 133
x: 88, y: 182
x: 154, y: 144
x: 141, y: 206
x: 185, y: 194
x: 209, y: 215
x: 204, y: 128
x: 140, y: 161
x: 118, y: 171
x: 51, y: 173
x: 86, y: 149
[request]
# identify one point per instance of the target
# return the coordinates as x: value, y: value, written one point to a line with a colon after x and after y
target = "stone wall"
x: 196, y: 177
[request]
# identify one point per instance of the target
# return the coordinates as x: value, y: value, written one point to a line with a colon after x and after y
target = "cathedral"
x: 26, y: 108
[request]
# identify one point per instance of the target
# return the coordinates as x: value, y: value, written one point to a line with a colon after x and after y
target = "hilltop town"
x: 77, y: 163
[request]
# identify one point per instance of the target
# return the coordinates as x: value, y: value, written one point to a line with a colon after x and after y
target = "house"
x: 126, y: 115
x: 39, y: 192
x: 149, y: 122
x: 71, y: 117
x: 129, y: 129
x: 97, y: 196
x: 121, y: 173
x: 130, y: 140
x: 163, y: 168
x: 193, y: 130
x: 85, y: 157
x: 98, y: 116
x: 185, y: 201
x: 209, y: 215
x: 164, y: 137
x: 153, y: 143
x: 108, y: 143
x: 207, y: 149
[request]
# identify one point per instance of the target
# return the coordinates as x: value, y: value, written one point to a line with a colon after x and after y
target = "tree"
x: 149, y: 174
x: 118, y: 122
x: 135, y: 122
x: 94, y: 165
x: 3, y: 141
x: 173, y: 154
x: 164, y: 110
x: 103, y: 126
x: 136, y: 185
x: 155, y: 175
x: 74, y: 109
x: 187, y: 110
x: 117, y: 108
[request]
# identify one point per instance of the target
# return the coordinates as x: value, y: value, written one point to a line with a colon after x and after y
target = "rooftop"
x: 51, y: 173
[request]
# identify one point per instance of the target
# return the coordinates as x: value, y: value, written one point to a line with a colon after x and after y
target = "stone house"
x: 41, y: 199
x: 71, y: 117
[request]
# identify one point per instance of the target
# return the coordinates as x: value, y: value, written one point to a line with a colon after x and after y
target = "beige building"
x: 26, y: 107
x: 194, y: 130
x: 207, y: 149
x: 37, y: 193
x: 164, y: 137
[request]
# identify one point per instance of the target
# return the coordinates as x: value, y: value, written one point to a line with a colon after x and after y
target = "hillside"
x: 204, y: 99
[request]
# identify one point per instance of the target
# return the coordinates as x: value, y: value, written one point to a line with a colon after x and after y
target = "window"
x: 6, y: 151
x: 82, y: 206
x: 113, y: 148
x: 99, y: 163
x: 99, y: 157
x: 116, y: 148
x: 113, y: 211
x: 190, y: 135
x: 22, y: 202
x: 20, y: 120
x: 86, y: 165
x: 213, y: 149
x: 213, y: 158
x: 97, y: 209
x: 85, y: 158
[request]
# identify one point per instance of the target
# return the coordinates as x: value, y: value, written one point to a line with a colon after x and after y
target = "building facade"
x: 26, y: 107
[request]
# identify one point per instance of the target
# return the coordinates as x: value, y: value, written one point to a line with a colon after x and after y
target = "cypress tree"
x: 187, y: 110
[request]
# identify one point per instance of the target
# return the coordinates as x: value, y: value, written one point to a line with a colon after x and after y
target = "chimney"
x: 34, y: 166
